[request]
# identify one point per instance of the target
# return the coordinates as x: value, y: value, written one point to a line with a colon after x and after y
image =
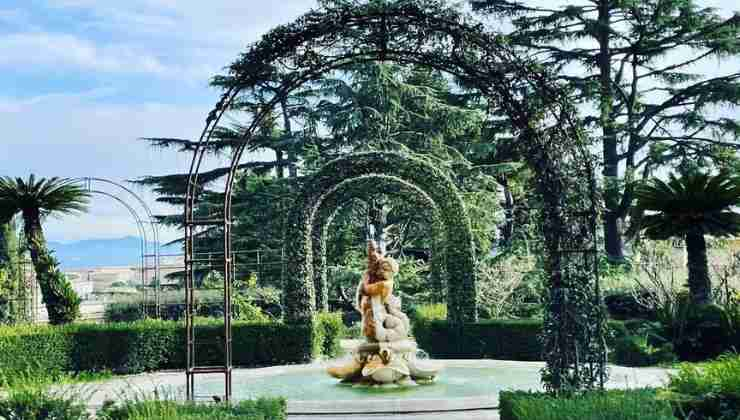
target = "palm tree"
x: 35, y: 199
x: 689, y: 207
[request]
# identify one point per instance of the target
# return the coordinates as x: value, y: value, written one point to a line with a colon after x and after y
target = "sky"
x: 82, y: 80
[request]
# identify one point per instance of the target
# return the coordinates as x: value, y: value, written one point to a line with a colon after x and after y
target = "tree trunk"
x: 288, y: 129
x: 700, y: 287
x: 62, y: 303
x: 34, y: 235
x: 507, y: 231
x: 279, y: 164
x: 612, y: 233
x: 4, y: 245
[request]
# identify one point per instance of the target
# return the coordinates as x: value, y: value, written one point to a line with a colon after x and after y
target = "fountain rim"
x: 370, y: 405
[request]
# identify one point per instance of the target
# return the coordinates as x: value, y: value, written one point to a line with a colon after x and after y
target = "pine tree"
x: 634, y: 62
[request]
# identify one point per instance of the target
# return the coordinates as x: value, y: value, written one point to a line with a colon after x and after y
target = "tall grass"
x: 611, y: 405
x: 261, y: 409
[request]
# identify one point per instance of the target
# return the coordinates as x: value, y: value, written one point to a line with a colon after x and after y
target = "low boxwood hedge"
x: 638, y: 404
x: 492, y: 339
x: 508, y: 339
x: 154, y: 345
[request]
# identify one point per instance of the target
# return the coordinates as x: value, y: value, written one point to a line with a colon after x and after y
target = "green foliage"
x: 124, y: 312
x: 708, y: 390
x: 689, y: 207
x: 260, y: 409
x: 703, y: 333
x: 520, y: 94
x: 331, y: 330
x: 62, y: 302
x: 638, y: 350
x: 243, y: 305
x: 490, y: 339
x: 37, y: 404
x: 153, y: 345
x: 14, y: 295
x: 299, y: 288
x: 35, y: 199
x: 695, y: 202
x: 430, y: 312
x: 508, y: 339
x: 612, y: 405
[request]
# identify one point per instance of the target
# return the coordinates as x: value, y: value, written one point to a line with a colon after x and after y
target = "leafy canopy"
x: 46, y: 195
x: 694, y: 202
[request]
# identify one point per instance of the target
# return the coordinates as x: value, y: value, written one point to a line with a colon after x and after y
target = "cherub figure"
x: 382, y: 319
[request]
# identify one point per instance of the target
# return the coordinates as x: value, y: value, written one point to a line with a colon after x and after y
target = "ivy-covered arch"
x: 364, y: 187
x: 413, y: 173
x: 543, y: 121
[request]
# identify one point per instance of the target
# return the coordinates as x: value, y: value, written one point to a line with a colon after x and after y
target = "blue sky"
x: 83, y: 79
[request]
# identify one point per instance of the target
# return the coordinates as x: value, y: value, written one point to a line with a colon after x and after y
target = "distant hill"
x: 94, y: 253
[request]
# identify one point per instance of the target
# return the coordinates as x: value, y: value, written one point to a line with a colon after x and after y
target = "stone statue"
x: 388, y: 355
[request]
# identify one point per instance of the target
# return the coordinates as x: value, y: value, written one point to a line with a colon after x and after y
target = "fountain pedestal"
x: 385, y: 363
x: 388, y: 356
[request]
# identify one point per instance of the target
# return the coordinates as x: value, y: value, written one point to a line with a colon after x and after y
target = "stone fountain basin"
x: 463, y: 385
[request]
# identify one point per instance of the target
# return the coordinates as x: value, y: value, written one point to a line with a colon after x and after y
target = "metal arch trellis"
x: 427, y: 33
x: 344, y: 194
x: 89, y: 183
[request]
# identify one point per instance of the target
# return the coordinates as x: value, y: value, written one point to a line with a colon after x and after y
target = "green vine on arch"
x: 543, y: 120
x: 368, y: 186
x: 300, y: 294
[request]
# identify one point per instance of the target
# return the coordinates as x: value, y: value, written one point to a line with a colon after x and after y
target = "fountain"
x: 388, y: 355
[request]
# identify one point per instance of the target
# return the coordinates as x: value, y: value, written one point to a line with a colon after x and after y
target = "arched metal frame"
x: 414, y: 174
x: 358, y: 188
x: 94, y: 185
x: 429, y: 34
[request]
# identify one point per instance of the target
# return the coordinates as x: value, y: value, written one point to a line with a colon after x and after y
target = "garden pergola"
x: 548, y: 136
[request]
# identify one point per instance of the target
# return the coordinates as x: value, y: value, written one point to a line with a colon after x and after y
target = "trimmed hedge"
x: 260, y: 409
x: 491, y: 339
x: 330, y: 327
x: 640, y: 404
x: 153, y: 345
x: 507, y: 339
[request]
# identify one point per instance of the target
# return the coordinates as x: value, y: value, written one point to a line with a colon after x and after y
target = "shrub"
x: 62, y: 302
x: 261, y: 409
x: 331, y: 329
x: 708, y: 390
x: 636, y: 350
x: 703, y: 333
x: 494, y: 339
x: 124, y: 312
x: 612, y: 405
x: 150, y: 345
x: 35, y: 404
x: 641, y: 343
x: 625, y: 305
x: 511, y: 339
x: 29, y: 350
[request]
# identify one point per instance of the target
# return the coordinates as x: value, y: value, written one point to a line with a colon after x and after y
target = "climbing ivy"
x: 542, y: 120
x: 367, y: 187
x: 412, y: 173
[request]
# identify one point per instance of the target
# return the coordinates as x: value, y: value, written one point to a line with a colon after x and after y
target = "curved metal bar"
x: 88, y: 182
x: 497, y: 71
x: 139, y: 224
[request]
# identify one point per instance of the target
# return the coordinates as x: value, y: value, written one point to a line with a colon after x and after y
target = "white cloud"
x: 64, y: 50
x: 74, y: 135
